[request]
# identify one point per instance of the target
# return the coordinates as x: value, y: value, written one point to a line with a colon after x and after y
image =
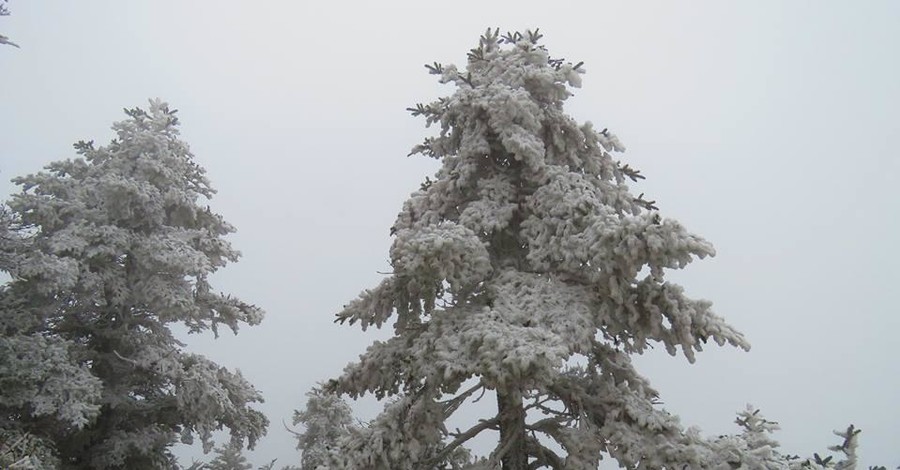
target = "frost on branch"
x: 326, y: 419
x: 120, y: 244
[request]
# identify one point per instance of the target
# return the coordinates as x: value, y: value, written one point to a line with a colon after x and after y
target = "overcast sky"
x: 769, y: 127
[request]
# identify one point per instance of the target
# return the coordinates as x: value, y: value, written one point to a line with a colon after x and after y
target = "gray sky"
x: 765, y: 127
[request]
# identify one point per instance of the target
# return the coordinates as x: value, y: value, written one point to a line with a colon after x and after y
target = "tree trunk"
x: 512, y: 429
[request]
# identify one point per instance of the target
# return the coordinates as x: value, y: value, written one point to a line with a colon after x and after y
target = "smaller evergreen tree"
x: 120, y: 249
x: 326, y: 418
x: 229, y: 457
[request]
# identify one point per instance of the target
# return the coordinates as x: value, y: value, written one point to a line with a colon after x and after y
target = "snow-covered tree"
x: 527, y: 268
x: 121, y: 246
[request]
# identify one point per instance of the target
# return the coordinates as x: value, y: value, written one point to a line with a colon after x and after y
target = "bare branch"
x: 548, y: 424
x: 451, y: 405
x: 461, y: 438
x: 543, y: 456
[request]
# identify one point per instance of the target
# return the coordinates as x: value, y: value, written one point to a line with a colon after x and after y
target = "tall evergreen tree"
x: 122, y: 248
x: 527, y: 268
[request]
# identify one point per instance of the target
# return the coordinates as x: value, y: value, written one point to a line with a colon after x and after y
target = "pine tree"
x: 120, y: 249
x: 526, y: 268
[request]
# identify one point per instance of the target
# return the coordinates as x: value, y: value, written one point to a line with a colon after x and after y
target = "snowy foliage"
x: 528, y: 268
x: 326, y: 419
x: 119, y: 247
x: 229, y: 457
x: 39, y: 379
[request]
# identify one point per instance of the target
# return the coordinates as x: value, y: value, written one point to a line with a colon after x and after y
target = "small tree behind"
x: 326, y: 420
x: 229, y: 457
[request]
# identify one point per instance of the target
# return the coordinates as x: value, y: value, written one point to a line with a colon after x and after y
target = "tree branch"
x: 462, y: 438
x: 288, y: 429
x: 543, y: 424
x: 543, y: 456
x: 451, y: 405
